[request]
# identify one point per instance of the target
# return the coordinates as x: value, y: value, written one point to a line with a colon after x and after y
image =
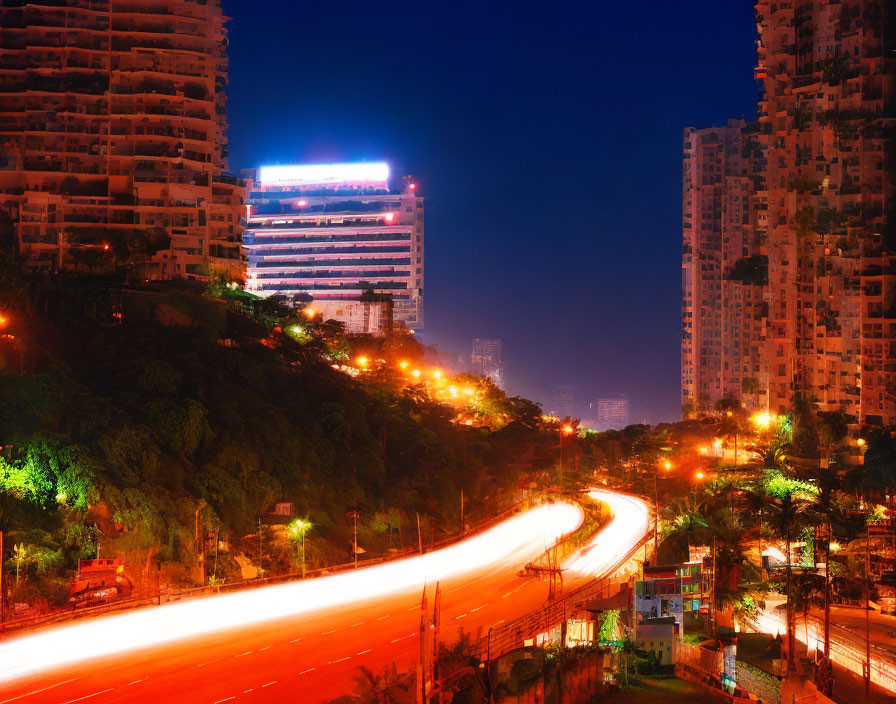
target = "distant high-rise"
x: 563, y: 401
x: 486, y: 359
x: 334, y: 231
x: 112, y: 145
x: 612, y: 413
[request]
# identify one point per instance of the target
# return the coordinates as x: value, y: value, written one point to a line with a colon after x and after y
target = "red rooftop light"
x: 413, y: 186
x: 302, y: 203
x: 389, y: 217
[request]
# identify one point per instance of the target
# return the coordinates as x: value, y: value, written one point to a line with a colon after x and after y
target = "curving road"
x: 301, y: 641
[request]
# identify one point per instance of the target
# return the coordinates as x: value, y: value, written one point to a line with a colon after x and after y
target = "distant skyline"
x: 547, y: 140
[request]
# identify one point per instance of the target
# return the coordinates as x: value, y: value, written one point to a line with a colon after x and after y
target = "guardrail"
x: 513, y: 634
x: 166, y: 596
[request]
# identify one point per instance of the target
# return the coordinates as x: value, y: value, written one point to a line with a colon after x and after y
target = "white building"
x: 333, y: 231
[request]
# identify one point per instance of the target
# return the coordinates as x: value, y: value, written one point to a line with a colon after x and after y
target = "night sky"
x: 546, y: 137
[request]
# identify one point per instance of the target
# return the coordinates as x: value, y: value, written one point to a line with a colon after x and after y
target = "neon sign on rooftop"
x: 361, y: 174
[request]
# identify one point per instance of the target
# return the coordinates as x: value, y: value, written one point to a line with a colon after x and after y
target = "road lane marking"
x: 477, y: 608
x: 308, y: 670
x: 268, y: 684
x: 248, y: 652
x: 265, y: 648
x: 409, y: 635
x: 333, y: 662
x: 38, y: 691
x: 460, y: 617
x: 137, y: 681
x: 382, y: 617
x: 363, y: 652
x: 209, y: 662
x: 326, y: 633
x: 295, y: 640
x: 246, y: 691
x: 416, y: 607
x: 360, y: 623
x: 95, y: 694
x: 498, y: 622
x: 224, y: 700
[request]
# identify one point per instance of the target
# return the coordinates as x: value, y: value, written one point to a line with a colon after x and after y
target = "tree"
x: 389, y: 687
x: 789, y: 500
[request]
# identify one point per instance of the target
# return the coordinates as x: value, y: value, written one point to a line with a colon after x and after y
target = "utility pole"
x: 419, y: 534
x: 461, y: 511
x: 260, y: 552
x: 355, y: 543
x: 436, y: 627
x: 867, y: 667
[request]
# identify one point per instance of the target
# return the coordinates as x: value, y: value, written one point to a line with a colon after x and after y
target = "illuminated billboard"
x: 363, y: 174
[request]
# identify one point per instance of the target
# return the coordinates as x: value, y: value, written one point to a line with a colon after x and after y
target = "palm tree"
x: 789, y: 500
x: 831, y: 511
x: 685, y: 523
x: 388, y: 688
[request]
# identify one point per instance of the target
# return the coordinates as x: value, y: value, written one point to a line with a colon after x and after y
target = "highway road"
x: 303, y: 641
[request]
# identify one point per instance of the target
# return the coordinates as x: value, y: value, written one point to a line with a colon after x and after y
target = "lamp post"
x: 565, y: 431
x: 297, y: 530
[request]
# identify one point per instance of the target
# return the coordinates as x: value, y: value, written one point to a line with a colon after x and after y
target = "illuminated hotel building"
x: 333, y: 231
x: 612, y: 413
x: 112, y: 147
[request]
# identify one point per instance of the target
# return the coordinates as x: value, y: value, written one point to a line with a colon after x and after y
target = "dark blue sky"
x: 546, y: 137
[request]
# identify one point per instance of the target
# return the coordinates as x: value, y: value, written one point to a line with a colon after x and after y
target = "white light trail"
x: 517, y: 538
x: 630, y: 522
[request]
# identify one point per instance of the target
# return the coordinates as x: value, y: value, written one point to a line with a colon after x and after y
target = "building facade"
x: 828, y: 74
x: 486, y: 359
x: 112, y: 146
x: 823, y: 234
x: 612, y: 413
x: 724, y: 268
x: 564, y: 403
x: 334, y: 231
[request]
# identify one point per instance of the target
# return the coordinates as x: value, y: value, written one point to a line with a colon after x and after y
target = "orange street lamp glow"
x: 699, y: 475
x: 403, y: 365
x: 437, y: 374
x: 762, y: 420
x: 310, y: 312
x: 667, y: 464
x: 703, y: 450
x: 568, y: 429
x: 729, y: 413
x: 717, y: 443
x: 362, y: 361
x: 860, y: 442
x: 3, y: 320
x: 416, y: 373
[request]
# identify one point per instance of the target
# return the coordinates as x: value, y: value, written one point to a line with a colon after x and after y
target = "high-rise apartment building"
x: 112, y: 146
x: 334, y: 231
x: 612, y: 413
x: 724, y: 268
x: 563, y: 401
x: 486, y: 360
x: 823, y: 197
x: 828, y: 72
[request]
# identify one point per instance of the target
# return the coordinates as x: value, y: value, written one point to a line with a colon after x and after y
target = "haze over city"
x: 547, y: 142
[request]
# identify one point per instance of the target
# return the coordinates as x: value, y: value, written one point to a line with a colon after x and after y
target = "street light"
x: 310, y: 312
x: 565, y: 432
x: 297, y: 530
